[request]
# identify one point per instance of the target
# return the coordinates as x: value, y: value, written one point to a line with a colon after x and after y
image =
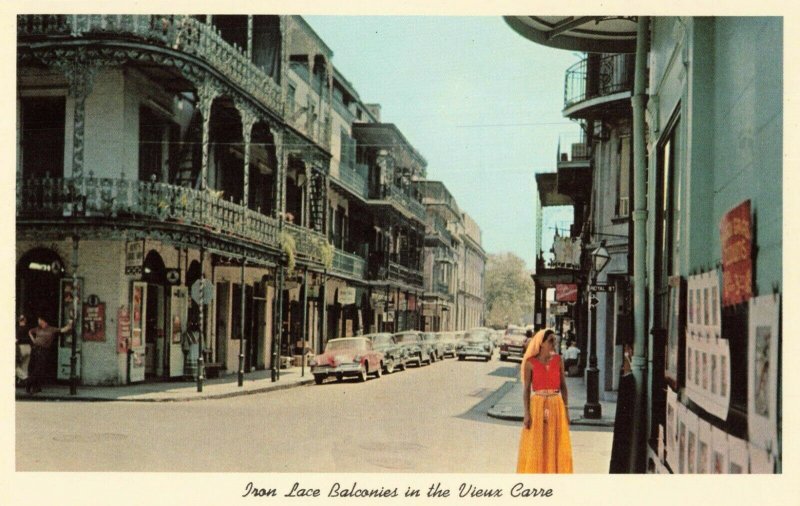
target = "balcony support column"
x: 206, y: 93
x: 248, y: 120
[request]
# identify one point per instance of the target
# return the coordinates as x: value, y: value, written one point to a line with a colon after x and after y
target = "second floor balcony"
x: 597, y: 84
x: 85, y: 201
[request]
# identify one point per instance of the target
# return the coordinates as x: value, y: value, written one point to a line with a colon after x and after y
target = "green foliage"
x: 508, y: 290
x: 326, y: 252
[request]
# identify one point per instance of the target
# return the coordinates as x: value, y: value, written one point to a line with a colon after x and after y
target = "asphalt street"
x: 431, y: 419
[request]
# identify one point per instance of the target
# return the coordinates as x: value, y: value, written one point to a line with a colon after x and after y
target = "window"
x: 43, y: 137
x: 622, y: 208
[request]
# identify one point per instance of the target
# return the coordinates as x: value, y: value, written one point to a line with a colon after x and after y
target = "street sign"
x: 202, y: 291
x: 601, y: 288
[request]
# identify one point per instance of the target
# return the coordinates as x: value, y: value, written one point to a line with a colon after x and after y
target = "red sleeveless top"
x: 546, y: 377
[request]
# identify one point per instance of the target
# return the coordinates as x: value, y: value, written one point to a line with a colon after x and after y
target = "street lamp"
x: 592, y: 408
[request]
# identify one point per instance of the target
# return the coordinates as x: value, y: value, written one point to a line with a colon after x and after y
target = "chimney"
x: 375, y: 110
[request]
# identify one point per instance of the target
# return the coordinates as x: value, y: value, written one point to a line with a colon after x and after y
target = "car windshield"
x: 381, y: 339
x: 515, y: 332
x: 478, y: 335
x: 346, y: 344
x: 407, y: 338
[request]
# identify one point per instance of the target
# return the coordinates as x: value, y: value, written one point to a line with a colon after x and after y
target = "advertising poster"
x: 137, y: 308
x: 736, y: 238
x: 94, y: 322
x: 123, y: 329
x: 762, y: 377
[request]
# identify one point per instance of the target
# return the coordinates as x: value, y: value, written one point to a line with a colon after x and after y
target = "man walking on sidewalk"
x: 41, y: 339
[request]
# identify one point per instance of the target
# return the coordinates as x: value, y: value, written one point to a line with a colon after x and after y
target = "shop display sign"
x: 566, y: 292
x: 347, y: 295
x: 134, y: 256
x: 123, y: 329
x: 94, y: 322
x: 736, y: 237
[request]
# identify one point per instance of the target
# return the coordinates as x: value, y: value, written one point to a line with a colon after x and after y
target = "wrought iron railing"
x: 398, y: 272
x: 180, y: 32
x: 403, y: 200
x: 354, y: 180
x: 55, y: 198
x: 349, y: 264
x: 614, y: 73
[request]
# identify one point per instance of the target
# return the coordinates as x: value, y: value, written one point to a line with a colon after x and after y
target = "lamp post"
x: 592, y: 408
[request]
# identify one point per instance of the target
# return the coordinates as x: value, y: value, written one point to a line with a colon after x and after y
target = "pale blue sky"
x: 481, y: 103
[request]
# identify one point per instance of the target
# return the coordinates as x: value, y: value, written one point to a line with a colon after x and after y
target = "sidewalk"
x: 162, y: 391
x: 509, y: 407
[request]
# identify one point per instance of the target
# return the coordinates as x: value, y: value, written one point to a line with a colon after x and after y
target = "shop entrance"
x: 155, y: 335
x: 38, y: 275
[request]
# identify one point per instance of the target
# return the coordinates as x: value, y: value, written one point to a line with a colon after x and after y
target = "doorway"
x: 155, y: 335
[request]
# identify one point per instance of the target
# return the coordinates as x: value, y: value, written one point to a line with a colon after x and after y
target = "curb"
x: 199, y: 397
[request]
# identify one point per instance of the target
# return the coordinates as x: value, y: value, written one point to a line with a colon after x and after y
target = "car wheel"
x: 486, y: 359
x: 390, y: 366
x: 339, y: 377
x: 461, y: 357
x: 402, y: 365
x: 318, y: 379
x: 379, y: 370
x: 362, y: 375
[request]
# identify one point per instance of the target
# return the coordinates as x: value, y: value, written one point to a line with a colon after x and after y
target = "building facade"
x: 205, y: 181
x: 703, y: 196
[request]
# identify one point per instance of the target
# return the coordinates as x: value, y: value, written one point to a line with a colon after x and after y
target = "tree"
x: 509, y: 290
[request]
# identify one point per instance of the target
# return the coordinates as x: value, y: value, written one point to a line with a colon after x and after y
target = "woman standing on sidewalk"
x: 544, y: 445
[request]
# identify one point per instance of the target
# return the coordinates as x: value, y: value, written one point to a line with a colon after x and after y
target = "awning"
x: 592, y: 34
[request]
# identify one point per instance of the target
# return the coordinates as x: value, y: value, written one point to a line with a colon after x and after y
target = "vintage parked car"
x: 436, y: 348
x: 347, y: 356
x: 417, y: 351
x: 394, y: 354
x: 448, y: 341
x: 514, y: 343
x: 476, y: 343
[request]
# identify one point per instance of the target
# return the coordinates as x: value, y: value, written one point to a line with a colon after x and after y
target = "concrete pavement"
x: 216, y: 388
x: 509, y: 407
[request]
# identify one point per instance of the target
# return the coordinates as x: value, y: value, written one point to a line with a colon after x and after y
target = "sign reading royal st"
x: 736, y: 238
x: 566, y: 292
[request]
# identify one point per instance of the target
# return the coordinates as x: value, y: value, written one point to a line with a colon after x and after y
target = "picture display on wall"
x: 761, y: 461
x: 719, y: 451
x: 762, y: 377
x: 671, y: 446
x: 707, y: 352
x: 738, y: 459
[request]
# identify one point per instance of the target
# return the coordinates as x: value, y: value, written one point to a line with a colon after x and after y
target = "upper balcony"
x: 354, y: 179
x: 158, y: 35
x: 91, y: 200
x: 599, y: 84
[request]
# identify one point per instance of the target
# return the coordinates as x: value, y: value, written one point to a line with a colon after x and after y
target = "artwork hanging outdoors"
x: 719, y: 451
x: 703, y: 447
x: 762, y: 376
x: 691, y: 442
x: 672, y: 430
x: 681, y: 425
x: 707, y: 353
x: 761, y: 461
x: 738, y: 458
x: 676, y: 330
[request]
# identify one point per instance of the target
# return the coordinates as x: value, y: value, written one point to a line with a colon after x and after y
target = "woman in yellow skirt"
x: 544, y: 446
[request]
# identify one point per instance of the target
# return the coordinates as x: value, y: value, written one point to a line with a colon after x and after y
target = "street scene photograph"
x: 273, y: 244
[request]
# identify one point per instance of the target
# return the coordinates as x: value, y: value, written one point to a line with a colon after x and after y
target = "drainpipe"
x: 639, y: 361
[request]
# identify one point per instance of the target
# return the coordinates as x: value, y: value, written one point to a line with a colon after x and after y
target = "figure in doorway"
x: 42, y: 337
x: 571, y: 358
x: 23, y: 351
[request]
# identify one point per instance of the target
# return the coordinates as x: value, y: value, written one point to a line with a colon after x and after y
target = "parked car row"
x: 379, y: 353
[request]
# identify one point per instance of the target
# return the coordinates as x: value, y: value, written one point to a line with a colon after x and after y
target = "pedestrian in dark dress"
x: 23, y: 352
x: 622, y: 443
x: 42, y: 337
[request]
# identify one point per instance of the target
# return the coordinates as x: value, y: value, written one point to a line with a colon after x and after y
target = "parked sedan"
x: 394, y: 354
x: 513, y: 343
x: 448, y: 341
x: 436, y: 348
x: 417, y: 351
x: 348, y: 356
x: 476, y: 343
